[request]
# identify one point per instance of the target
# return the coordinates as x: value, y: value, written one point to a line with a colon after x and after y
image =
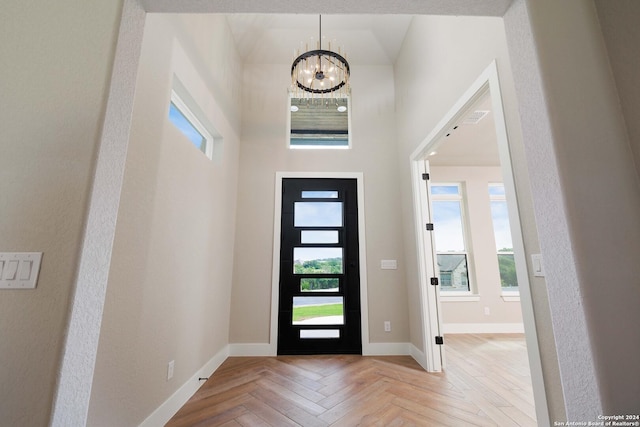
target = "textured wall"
x: 169, y: 286
x: 55, y: 62
x: 587, y: 202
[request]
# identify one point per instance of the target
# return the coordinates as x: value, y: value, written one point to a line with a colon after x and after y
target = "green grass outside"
x: 309, y: 312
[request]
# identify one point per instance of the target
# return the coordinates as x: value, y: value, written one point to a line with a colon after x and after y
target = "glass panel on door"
x: 318, y: 311
x: 317, y: 260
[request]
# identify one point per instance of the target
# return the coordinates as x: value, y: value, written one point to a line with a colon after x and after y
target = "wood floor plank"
x: 288, y: 409
x: 429, y: 415
x: 508, y: 395
x: 519, y: 417
x: 462, y: 409
x: 298, y: 388
x: 269, y: 414
x: 220, y: 419
x: 207, y: 410
x: 362, y: 413
x: 291, y: 396
x: 485, y: 383
x: 490, y: 409
x: 294, y: 373
x: 251, y: 420
x: 364, y: 398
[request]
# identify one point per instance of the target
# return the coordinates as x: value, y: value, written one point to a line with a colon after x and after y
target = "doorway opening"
x: 485, y: 88
x: 473, y: 243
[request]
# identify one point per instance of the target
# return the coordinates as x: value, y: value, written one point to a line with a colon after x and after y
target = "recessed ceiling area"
x: 274, y: 38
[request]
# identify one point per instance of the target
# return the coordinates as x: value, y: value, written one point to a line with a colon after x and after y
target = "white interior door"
x: 428, y: 266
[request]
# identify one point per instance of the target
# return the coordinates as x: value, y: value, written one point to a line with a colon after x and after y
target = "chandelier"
x: 320, y: 72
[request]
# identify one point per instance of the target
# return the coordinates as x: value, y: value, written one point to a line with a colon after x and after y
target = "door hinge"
x: 434, y: 281
x: 429, y: 227
x: 425, y: 176
x: 439, y: 340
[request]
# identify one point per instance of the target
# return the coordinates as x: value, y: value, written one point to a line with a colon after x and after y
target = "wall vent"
x: 475, y: 117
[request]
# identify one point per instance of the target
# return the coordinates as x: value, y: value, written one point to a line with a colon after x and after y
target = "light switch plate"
x: 19, y: 270
x: 538, y: 265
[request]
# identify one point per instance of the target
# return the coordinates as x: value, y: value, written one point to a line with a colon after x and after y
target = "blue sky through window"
x: 447, y: 219
x: 450, y: 190
x: 318, y: 214
x: 500, y: 216
x: 496, y: 190
x: 181, y: 122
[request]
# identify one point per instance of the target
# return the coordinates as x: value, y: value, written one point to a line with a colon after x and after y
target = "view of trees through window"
x: 507, y: 265
x: 502, y: 233
x: 318, y: 266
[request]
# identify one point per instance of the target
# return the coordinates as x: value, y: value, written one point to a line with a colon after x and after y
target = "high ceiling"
x: 273, y: 38
x: 409, y: 7
x: 367, y: 40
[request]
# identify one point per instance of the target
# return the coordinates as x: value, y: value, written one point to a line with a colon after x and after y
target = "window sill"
x: 511, y: 296
x: 455, y: 297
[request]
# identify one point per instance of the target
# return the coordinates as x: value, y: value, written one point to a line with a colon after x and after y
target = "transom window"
x: 449, y: 229
x: 186, y: 121
x: 319, y: 123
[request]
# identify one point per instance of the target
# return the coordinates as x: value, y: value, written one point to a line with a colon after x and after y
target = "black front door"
x: 319, y: 305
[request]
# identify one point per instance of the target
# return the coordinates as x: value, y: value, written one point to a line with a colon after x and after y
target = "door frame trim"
x: 487, y: 82
x: 275, y: 277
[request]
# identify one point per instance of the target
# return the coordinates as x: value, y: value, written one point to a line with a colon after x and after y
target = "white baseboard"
x: 168, y: 409
x: 483, y: 328
x: 371, y: 349
x: 254, y: 350
x: 418, y: 356
x: 386, y: 349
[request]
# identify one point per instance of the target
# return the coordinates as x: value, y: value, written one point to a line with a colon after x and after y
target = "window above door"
x: 319, y: 123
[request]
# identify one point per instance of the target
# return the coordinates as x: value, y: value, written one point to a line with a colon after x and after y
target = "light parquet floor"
x: 486, y: 383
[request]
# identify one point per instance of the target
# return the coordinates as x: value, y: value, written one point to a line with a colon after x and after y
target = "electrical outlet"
x: 487, y: 311
x: 170, y: 366
x: 387, y: 326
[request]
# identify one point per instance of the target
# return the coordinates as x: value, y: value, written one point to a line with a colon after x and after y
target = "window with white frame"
x: 319, y: 123
x: 502, y: 233
x: 186, y: 121
x: 450, y: 237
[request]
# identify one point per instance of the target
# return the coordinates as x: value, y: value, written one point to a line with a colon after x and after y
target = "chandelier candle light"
x: 320, y: 73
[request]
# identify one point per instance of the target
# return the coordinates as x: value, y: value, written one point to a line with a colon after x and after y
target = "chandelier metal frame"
x: 319, y: 64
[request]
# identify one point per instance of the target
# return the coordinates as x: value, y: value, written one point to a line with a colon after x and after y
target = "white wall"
x: 55, y: 62
x: 169, y: 288
x: 469, y: 316
x: 264, y: 151
x: 618, y: 21
x: 441, y: 57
